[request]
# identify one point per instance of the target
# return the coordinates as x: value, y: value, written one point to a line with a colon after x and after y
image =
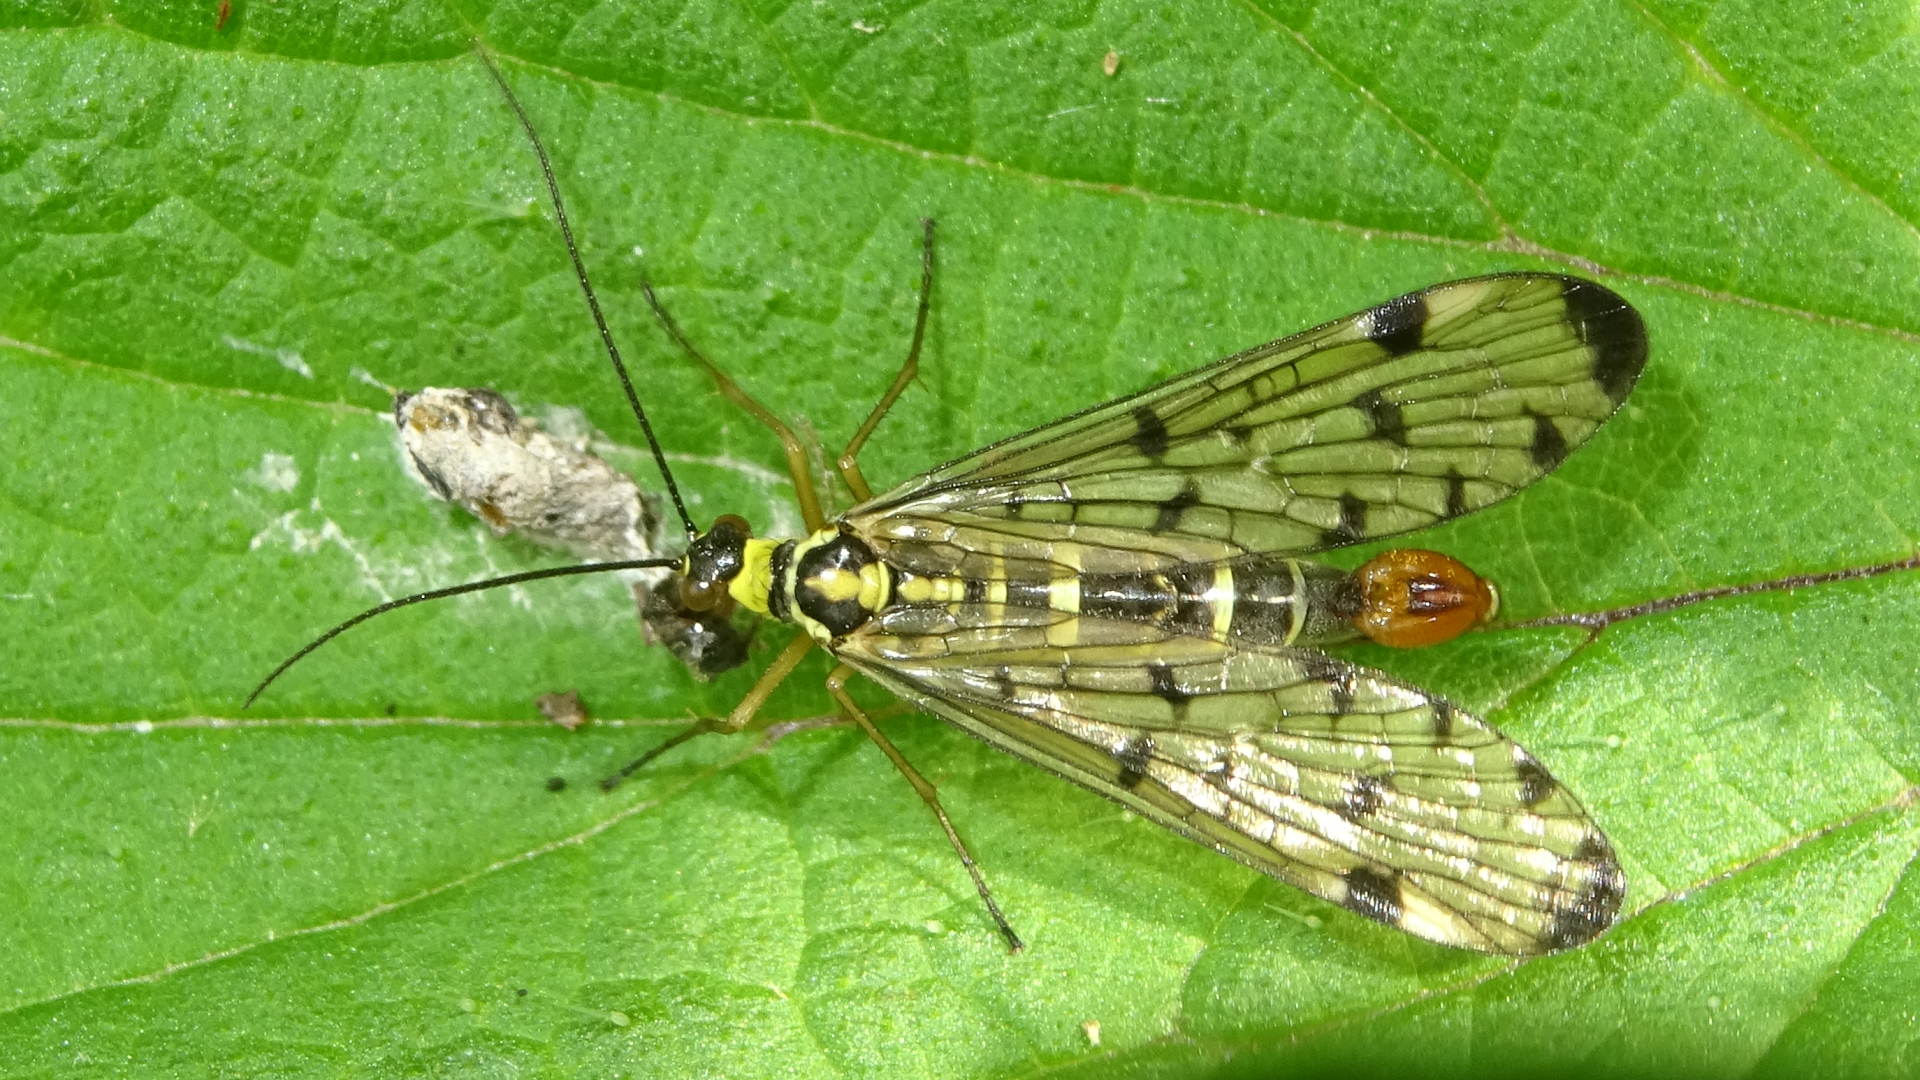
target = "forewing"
x: 1427, y: 407
x: 1335, y: 778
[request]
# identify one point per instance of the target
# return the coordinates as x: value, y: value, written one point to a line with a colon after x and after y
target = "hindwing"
x: 1359, y: 788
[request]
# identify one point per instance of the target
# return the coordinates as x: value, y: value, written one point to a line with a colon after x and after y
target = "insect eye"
x: 713, y: 560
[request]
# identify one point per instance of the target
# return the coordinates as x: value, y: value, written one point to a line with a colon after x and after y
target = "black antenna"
x: 586, y: 286
x: 455, y: 590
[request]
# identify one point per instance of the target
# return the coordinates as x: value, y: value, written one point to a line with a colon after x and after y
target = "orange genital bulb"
x: 1411, y: 597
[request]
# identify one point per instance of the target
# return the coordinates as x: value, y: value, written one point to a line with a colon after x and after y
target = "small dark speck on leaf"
x: 566, y: 709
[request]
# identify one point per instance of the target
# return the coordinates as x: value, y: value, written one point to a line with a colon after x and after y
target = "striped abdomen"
x: 1401, y: 598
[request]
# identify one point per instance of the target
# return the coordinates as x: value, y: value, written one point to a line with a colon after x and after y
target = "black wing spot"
x: 1593, y: 848
x: 1151, y: 438
x: 1003, y: 682
x: 1549, y: 447
x: 1595, y: 907
x: 1375, y: 894
x: 1352, y: 525
x: 1341, y: 689
x: 1364, y: 796
x: 1456, y: 495
x: 1320, y: 667
x: 1388, y: 421
x: 1609, y: 326
x: 1336, y: 674
x: 1172, y: 509
x: 1165, y: 686
x: 1133, y: 756
x: 1396, y: 325
x: 975, y: 591
x: 1534, y: 780
x: 1442, y: 721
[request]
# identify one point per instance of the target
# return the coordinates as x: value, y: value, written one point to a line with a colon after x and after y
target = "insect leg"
x: 741, y: 715
x: 837, y: 686
x: 796, y: 454
x: 848, y: 464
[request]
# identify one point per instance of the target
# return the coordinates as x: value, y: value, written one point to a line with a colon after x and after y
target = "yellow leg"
x: 837, y: 686
x: 796, y: 455
x: 741, y: 715
x: 849, y: 463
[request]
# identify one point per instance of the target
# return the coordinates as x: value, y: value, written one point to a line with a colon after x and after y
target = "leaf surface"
x: 218, y: 245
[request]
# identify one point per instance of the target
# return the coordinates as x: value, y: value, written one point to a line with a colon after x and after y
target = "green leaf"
x: 219, y: 244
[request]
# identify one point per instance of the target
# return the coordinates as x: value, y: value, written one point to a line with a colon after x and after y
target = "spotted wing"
x: 1427, y: 407
x: 1338, y: 779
